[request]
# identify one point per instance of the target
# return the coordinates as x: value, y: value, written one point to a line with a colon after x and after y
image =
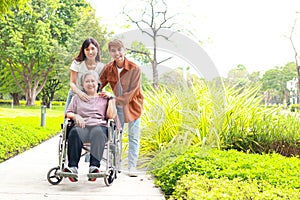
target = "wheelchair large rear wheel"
x: 52, y: 177
x: 110, y: 177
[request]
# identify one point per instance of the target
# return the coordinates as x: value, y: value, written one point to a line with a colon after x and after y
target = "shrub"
x: 37, y: 102
x: 21, y: 133
x: 294, y: 107
x: 194, y: 186
x: 275, y: 169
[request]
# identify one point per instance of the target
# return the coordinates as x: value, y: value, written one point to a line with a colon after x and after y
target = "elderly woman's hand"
x: 79, y: 121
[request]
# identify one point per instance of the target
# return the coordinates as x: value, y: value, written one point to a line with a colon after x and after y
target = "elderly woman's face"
x: 90, y: 84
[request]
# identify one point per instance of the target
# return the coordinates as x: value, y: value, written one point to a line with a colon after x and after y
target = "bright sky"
x: 254, y: 33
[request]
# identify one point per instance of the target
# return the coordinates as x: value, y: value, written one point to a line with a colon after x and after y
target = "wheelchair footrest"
x: 96, y: 175
x: 67, y: 174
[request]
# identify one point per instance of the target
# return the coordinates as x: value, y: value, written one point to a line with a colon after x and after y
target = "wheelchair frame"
x: 113, y: 158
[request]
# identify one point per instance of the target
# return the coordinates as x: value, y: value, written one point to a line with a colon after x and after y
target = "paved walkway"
x: 24, y: 177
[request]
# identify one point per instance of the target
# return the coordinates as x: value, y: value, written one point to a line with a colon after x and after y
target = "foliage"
x: 196, y: 116
x: 32, y: 41
x: 238, y: 76
x: 194, y: 186
x: 294, y: 107
x: 174, y: 116
x: 44, y: 38
x: 250, y: 127
x: 140, y: 53
x: 277, y: 170
x: 21, y: 133
x: 47, y: 93
x: 36, y: 103
x: 6, y: 5
x: 7, y: 84
x: 274, y: 82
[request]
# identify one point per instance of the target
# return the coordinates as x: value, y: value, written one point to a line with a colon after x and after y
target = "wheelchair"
x: 112, y: 155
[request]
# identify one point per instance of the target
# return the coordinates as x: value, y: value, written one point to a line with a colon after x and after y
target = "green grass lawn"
x: 20, y: 128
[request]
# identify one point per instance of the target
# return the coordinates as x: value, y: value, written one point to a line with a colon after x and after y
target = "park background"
x: 238, y: 134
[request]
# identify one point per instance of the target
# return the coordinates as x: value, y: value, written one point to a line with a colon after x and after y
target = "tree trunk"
x: 155, y: 75
x: 30, y: 98
x: 285, y: 96
x: 16, y: 99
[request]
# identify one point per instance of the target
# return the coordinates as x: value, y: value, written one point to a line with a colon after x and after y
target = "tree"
x: 33, y: 40
x: 238, y: 76
x: 153, y: 16
x: 48, y: 91
x: 254, y: 77
x: 272, y: 85
x: 274, y: 82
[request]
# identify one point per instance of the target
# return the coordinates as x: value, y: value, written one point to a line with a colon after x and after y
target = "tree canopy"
x: 42, y: 39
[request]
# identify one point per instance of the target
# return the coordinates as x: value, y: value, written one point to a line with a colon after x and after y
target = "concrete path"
x: 24, y: 177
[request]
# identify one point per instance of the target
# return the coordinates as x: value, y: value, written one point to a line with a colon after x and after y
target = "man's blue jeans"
x: 133, y: 138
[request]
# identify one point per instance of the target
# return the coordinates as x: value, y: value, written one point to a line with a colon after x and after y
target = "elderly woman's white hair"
x: 93, y: 73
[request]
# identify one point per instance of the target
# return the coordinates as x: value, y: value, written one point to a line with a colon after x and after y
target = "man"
x: 124, y: 77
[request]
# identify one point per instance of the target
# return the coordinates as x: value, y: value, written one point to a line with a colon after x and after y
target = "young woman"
x: 87, y: 59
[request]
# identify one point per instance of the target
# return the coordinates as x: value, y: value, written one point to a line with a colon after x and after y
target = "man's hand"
x: 105, y: 94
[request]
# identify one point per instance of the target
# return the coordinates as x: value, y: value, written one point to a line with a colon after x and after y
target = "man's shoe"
x: 132, y: 172
x: 73, y: 173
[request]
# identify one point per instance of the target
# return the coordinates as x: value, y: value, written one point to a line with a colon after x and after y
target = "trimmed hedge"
x: 276, y: 170
x: 21, y: 133
x: 37, y: 103
x: 194, y: 186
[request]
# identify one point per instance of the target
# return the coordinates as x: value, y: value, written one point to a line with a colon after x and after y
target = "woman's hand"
x: 83, y: 96
x: 79, y: 121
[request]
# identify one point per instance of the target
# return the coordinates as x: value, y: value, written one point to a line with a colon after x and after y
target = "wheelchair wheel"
x: 52, y: 177
x: 109, y: 179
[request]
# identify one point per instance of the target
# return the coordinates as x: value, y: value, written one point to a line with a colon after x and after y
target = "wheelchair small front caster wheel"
x: 52, y: 177
x: 109, y: 177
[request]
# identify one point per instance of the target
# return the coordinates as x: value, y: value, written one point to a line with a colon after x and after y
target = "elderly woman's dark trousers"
x: 95, y: 135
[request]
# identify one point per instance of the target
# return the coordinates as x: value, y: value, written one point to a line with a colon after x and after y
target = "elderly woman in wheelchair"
x: 90, y: 120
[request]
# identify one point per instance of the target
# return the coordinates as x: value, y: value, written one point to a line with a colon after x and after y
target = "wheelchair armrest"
x: 110, y: 122
x: 66, y: 123
x: 69, y: 122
